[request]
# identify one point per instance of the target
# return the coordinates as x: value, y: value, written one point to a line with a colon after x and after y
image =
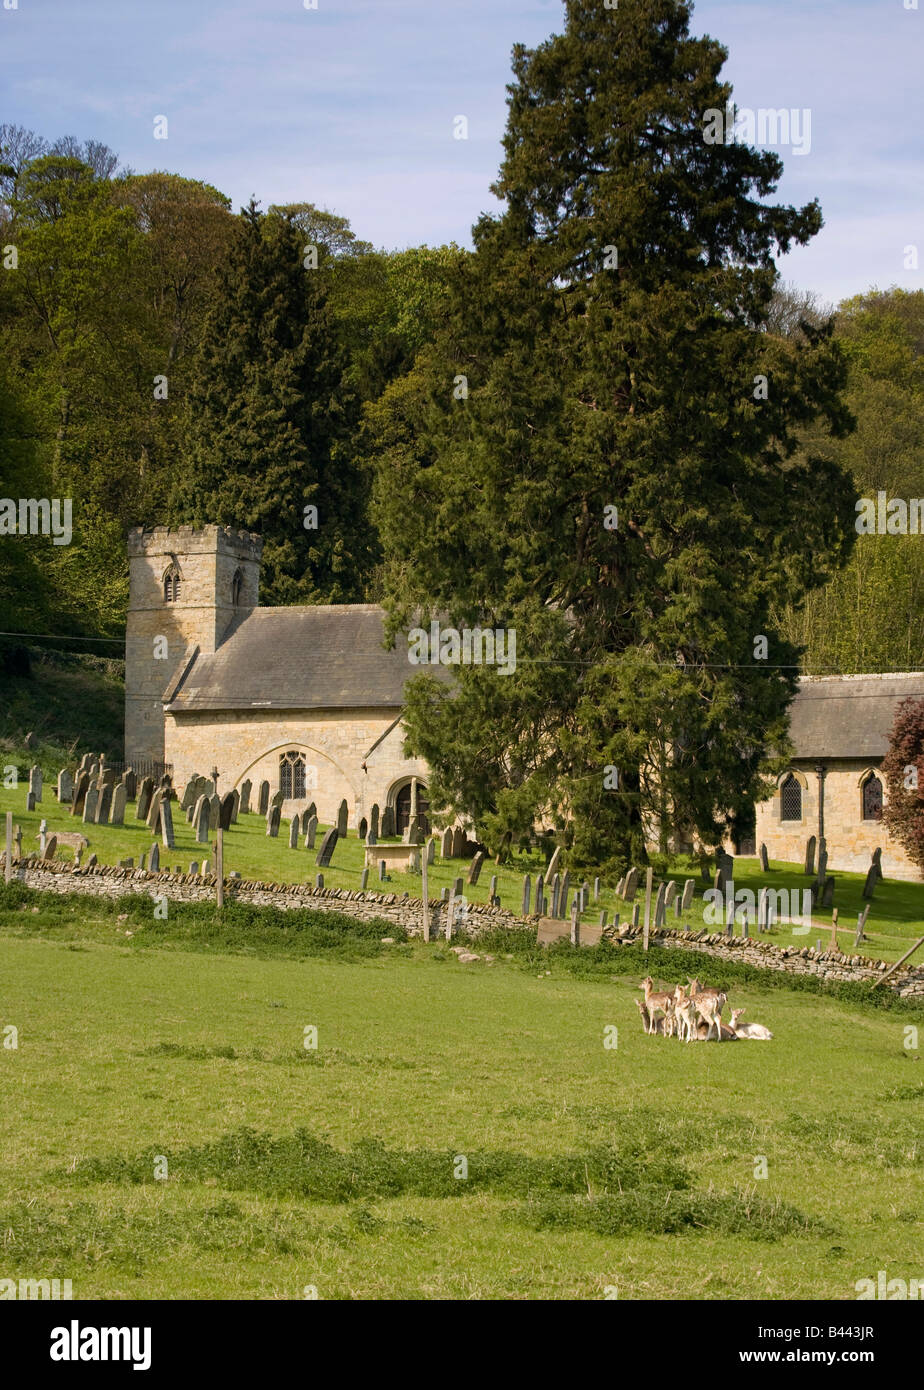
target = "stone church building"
x: 310, y: 701
x: 305, y: 698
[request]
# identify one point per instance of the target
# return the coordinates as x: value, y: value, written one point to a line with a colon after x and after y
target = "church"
x: 309, y: 700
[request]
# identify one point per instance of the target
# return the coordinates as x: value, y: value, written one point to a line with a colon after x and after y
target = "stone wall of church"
x: 850, y: 839
x: 248, y: 744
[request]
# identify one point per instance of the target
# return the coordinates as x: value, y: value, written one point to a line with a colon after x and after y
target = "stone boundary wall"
x: 107, y: 882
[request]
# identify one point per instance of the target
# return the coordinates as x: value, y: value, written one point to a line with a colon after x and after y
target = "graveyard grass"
x: 127, y: 1051
x: 894, y: 922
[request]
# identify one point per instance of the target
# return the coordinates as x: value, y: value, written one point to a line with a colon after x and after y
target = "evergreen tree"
x: 621, y: 484
x: 268, y: 424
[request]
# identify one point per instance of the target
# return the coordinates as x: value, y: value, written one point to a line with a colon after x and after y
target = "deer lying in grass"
x: 658, y: 1003
x: 756, y: 1031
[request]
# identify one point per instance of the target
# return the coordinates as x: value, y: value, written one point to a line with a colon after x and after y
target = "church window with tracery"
x: 790, y: 799
x: 292, y: 774
x: 172, y: 584
x: 872, y: 798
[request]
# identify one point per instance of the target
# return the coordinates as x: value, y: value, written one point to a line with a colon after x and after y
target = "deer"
x: 655, y: 1003
x: 756, y: 1031
x: 646, y: 1019
x: 685, y: 1015
x: 708, y: 1003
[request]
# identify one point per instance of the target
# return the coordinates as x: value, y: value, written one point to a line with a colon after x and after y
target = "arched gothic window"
x: 237, y: 584
x: 172, y: 578
x: 790, y: 799
x: 872, y: 798
x: 292, y: 774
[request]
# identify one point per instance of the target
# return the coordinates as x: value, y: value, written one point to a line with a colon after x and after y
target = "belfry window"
x: 872, y: 798
x: 292, y: 774
x: 237, y: 584
x: 172, y: 584
x: 790, y: 799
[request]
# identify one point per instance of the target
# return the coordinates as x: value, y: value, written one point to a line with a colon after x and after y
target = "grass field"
x: 590, y: 1169
x: 895, y: 919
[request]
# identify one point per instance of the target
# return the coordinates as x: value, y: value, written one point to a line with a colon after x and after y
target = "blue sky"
x: 350, y: 106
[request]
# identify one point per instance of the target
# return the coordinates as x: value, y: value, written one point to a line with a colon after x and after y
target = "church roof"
x: 849, y: 716
x: 323, y: 657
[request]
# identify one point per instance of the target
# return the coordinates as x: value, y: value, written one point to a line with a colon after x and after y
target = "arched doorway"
x: 403, y: 809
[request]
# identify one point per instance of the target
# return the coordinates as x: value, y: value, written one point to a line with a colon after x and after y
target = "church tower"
x: 187, y: 588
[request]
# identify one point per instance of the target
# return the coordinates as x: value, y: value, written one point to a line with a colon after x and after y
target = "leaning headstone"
x: 877, y: 862
x: 130, y: 778
x: 631, y: 885
x: 763, y: 898
x: 244, y: 807
x: 328, y: 844
x: 388, y: 823
x: 475, y: 867
x: 872, y: 878
x: 263, y: 800
x: 89, y: 805
x: 293, y: 832
x: 671, y: 892
x: 119, y: 800
x: 155, y: 859
x: 145, y: 793
x: 457, y: 891
x: 166, y: 823
x: 80, y: 794
x: 272, y: 822
x: 458, y: 842
x: 374, y: 820
x: 311, y: 830
x: 225, y: 811
x: 104, y: 805
x: 153, y: 820
x: 526, y: 895
x: 764, y: 860
x: 65, y: 787
x: 810, y: 854
x: 342, y: 819
x: 552, y: 866
x: 92, y: 862
x: 201, y: 820
x: 51, y: 847
x: 689, y: 888
x: 190, y: 794
x: 309, y: 811
x: 277, y: 799
x: 861, y: 923
x: 585, y: 895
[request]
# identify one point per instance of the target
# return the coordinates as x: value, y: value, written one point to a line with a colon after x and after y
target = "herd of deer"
x: 693, y: 1013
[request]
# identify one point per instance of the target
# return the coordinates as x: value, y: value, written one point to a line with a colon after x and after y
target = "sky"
x: 351, y: 106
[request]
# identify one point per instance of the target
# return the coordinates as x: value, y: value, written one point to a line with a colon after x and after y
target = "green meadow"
x: 501, y: 1129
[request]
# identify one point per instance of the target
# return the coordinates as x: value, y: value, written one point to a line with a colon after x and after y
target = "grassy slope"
x: 71, y: 708
x: 894, y: 922
x: 426, y: 1054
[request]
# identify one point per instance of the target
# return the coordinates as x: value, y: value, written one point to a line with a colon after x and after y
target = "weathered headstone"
x: 309, y: 811
x: 225, y: 811
x: 277, y: 799
x: 563, y: 891
x: 364, y: 880
x: 130, y: 778
x: 153, y: 820
x: 293, y: 832
x: 89, y: 806
x: 145, y: 793
x: 446, y: 844
x: 810, y: 854
x: 861, y: 924
x: 374, y: 821
x: 827, y: 895
x: 540, y: 896
x: 155, y: 859
x: 104, y: 805
x: 235, y: 805
x: 311, y: 830
x: 328, y: 844
x: 119, y: 801
x: 30, y: 801
x: 556, y: 897
x: 659, y: 906
x: 689, y: 888
x: 214, y: 811
x: 263, y: 800
x: 363, y: 828
x: 631, y: 887
x: 475, y: 867
x: 388, y: 823
x: 822, y: 864
x: 51, y: 847
x: 246, y: 789
x: 526, y: 895
x: 272, y: 822
x: 725, y: 869
x: 35, y: 781
x: 65, y: 787
x: 457, y: 890
x: 492, y: 890
x: 80, y: 794
x: 670, y: 892
x: 319, y: 880
x: 166, y: 823
x: 458, y: 842
x: 764, y: 860
x: 201, y: 820
x: 190, y: 794
x: 382, y: 870
x: 552, y: 867
x: 342, y: 819
x: 194, y: 867
x: 597, y: 891
x: 92, y: 862
x: 877, y: 862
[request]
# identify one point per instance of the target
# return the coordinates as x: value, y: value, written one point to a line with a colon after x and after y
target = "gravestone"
x: 342, y: 819
x: 65, y: 787
x: 458, y: 842
x: 388, y: 823
x: 319, y: 880
x: 446, y: 844
x: 763, y: 898
x: 363, y: 827
x: 235, y: 806
x: 214, y: 811
x: 155, y: 859
x: 374, y: 821
x: 659, y: 906
x: 556, y: 894
x: 475, y: 868
x: 810, y: 854
x: 272, y: 822
x: 246, y: 788
x: 89, y: 806
x: 51, y: 847
x: 201, y: 820
x: 364, y: 880
x: 145, y: 793
x: 540, y: 896
x: 194, y: 867
x: 725, y: 869
x: 552, y: 867
x: 764, y: 860
x: 309, y: 811
x: 153, y: 818
x: 631, y: 886
x: 872, y: 878
x: 457, y: 888
x: 104, y: 805
x: 30, y: 801
x: 414, y: 832
x: 827, y: 895
x: 311, y: 830
x: 689, y: 888
x: 80, y: 794
x: 130, y: 778
x: 671, y: 892
x: 382, y: 867
x: 225, y: 811
x: 861, y: 924
x: 526, y: 896
x: 585, y: 895
x: 328, y: 844
x: 877, y: 862
x: 142, y: 862
x: 431, y: 851
x: 503, y: 853
x: 597, y: 890
x: 492, y: 890
x: 563, y: 894
x: 190, y: 794
x: 166, y: 823
x: 92, y: 862
x: 263, y: 801
x: 119, y: 801
x: 293, y: 832
x: 35, y: 781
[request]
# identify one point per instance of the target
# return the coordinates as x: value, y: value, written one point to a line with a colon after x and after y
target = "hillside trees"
x: 601, y: 393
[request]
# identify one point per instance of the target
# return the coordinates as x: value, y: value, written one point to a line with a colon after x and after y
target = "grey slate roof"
x: 324, y: 657
x: 848, y: 716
